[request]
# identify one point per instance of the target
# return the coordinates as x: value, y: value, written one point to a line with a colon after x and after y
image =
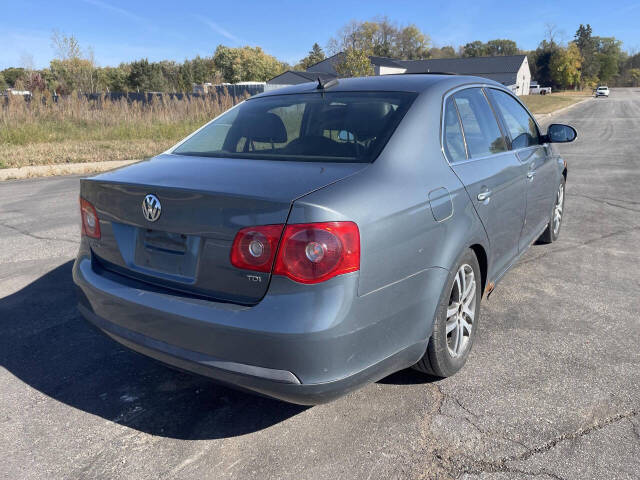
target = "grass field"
x: 549, y: 103
x: 76, y: 130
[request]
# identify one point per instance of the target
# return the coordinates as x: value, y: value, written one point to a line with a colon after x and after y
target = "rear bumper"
x: 302, y: 344
x: 279, y: 384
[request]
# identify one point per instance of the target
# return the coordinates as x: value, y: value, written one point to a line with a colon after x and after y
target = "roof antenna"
x: 330, y: 83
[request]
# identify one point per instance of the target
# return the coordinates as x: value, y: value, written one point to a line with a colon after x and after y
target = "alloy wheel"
x: 461, y: 311
x: 557, y: 210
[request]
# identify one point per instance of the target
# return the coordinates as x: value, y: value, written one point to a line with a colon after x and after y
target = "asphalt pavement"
x: 551, y: 389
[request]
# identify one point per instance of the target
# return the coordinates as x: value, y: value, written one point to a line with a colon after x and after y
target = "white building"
x: 512, y: 71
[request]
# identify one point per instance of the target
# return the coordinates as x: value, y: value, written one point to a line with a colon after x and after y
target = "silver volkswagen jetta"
x: 319, y: 237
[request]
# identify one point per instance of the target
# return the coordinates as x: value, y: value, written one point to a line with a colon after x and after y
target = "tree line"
x: 74, y: 69
x: 583, y: 62
x: 586, y: 61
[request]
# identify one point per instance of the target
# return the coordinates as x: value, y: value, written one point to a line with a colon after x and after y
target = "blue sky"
x: 127, y: 30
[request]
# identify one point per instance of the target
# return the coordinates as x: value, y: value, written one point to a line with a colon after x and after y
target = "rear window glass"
x: 316, y: 127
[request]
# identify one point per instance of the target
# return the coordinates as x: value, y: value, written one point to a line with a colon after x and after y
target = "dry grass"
x: 77, y: 130
x: 549, y: 103
x: 573, y: 93
x: 74, y: 151
x: 81, y: 168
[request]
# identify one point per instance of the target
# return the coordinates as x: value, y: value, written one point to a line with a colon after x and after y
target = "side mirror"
x: 559, y: 133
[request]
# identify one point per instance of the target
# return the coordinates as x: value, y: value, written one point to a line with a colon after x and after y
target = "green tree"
x: 72, y: 69
x: 565, y: 66
x: 316, y: 54
x: 587, y: 45
x: 12, y: 74
x: 204, y: 70
x: 493, y: 48
x: 224, y: 58
x: 246, y: 64
x: 635, y: 76
x: 197, y: 71
x: 354, y: 63
x: 630, y: 63
x: 411, y: 44
x: 366, y: 36
x: 381, y: 37
x: 474, y: 49
x: 113, y: 79
x: 386, y: 37
x: 73, y: 74
x: 502, y: 47
x: 3, y: 83
x: 443, y: 52
x: 609, y: 54
x: 633, y: 61
x: 146, y: 76
x: 541, y: 58
x: 170, y: 72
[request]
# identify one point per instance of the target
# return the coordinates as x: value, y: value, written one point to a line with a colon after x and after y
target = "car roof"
x: 391, y: 83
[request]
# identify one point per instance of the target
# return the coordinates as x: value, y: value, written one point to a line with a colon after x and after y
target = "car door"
x: 541, y: 170
x: 492, y: 175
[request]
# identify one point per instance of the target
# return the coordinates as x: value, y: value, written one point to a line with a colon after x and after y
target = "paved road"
x: 551, y: 390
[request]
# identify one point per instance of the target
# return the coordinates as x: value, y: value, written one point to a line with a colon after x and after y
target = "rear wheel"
x: 552, y: 231
x: 456, y: 320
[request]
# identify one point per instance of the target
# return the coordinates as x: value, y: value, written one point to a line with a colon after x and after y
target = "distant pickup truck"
x: 535, y: 89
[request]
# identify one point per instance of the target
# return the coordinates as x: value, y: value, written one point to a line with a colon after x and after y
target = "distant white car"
x: 602, y: 91
x: 535, y: 89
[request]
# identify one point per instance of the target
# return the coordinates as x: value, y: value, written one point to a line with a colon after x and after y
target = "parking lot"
x: 551, y: 389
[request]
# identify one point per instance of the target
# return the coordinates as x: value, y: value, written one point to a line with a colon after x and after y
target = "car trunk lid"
x: 204, y: 202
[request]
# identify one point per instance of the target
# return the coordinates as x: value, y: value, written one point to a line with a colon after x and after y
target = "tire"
x: 552, y: 233
x: 444, y: 356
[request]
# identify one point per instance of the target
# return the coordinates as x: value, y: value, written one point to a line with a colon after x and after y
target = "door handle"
x: 482, y: 196
x: 531, y: 174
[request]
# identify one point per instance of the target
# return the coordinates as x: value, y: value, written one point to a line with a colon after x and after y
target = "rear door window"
x: 453, y: 140
x: 481, y: 130
x: 521, y: 127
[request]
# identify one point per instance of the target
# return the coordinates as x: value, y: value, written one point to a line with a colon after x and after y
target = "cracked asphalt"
x: 551, y: 390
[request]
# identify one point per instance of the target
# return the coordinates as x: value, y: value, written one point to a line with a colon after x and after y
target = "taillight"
x: 315, y: 252
x: 254, y: 248
x: 90, y: 220
x: 308, y: 252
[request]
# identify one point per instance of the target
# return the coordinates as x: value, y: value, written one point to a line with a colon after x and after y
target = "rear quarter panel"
x: 389, y: 200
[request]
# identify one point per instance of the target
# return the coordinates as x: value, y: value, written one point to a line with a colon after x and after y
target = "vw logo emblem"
x: 151, y: 208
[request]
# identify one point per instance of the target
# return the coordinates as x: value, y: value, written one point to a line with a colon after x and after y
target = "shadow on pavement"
x: 408, y: 377
x: 46, y: 344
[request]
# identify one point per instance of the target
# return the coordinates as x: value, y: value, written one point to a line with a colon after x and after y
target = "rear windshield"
x: 313, y: 127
